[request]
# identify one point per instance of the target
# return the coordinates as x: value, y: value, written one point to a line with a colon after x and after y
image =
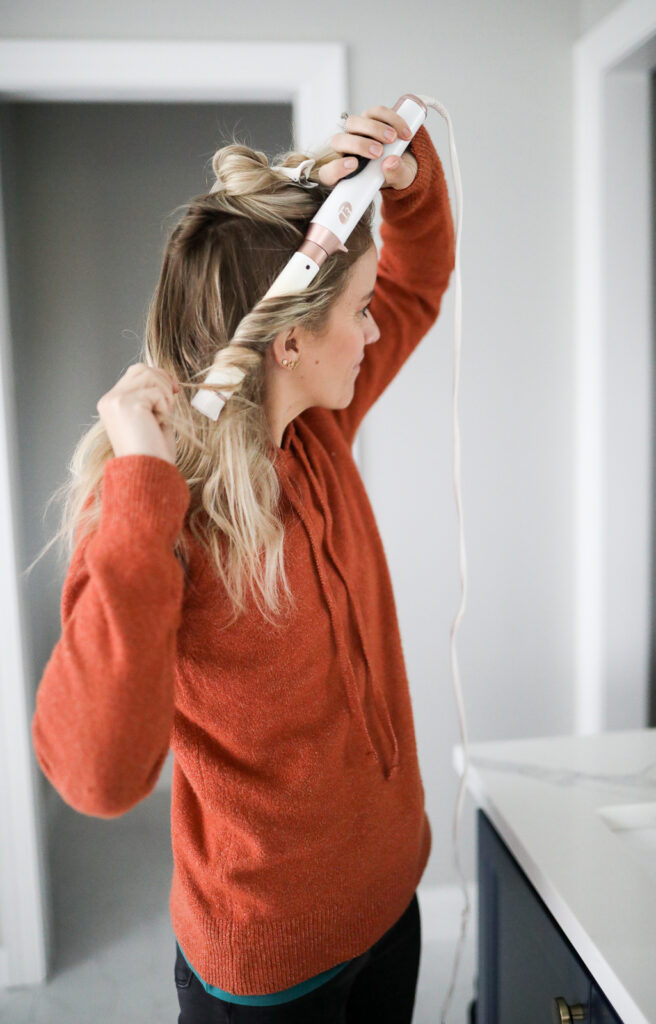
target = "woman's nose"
x: 374, y: 333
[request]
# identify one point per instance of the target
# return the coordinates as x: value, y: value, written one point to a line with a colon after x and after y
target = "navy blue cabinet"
x: 528, y: 971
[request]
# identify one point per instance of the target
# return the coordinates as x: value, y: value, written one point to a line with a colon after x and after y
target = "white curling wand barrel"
x: 328, y: 230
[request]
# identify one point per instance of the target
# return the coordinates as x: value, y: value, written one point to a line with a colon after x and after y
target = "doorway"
x: 43, y: 404
x: 613, y: 331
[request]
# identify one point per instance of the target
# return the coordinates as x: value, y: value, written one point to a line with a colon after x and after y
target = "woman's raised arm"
x: 415, y: 264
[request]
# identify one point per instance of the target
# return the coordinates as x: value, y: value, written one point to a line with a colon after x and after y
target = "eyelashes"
x: 365, y: 310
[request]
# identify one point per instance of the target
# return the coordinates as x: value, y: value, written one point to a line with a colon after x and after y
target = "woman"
x: 228, y: 596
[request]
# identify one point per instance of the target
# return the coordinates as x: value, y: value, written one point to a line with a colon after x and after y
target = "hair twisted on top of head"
x: 248, y: 186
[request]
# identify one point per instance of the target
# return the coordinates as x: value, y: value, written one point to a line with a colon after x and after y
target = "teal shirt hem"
x: 285, y: 996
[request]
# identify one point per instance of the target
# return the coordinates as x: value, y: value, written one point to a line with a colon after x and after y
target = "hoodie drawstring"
x: 350, y: 682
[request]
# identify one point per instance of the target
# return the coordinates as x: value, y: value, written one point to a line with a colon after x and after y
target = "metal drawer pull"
x: 561, y: 1013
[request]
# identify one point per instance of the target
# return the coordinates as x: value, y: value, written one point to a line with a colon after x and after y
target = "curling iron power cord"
x: 435, y: 105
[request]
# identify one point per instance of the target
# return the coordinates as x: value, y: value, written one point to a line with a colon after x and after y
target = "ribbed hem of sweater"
x: 260, y: 957
x: 276, y: 998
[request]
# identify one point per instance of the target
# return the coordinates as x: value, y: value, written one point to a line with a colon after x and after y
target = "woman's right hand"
x: 367, y: 130
x: 132, y: 412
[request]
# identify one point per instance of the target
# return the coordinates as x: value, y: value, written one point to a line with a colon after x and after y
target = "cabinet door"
x: 601, y: 1012
x: 525, y: 959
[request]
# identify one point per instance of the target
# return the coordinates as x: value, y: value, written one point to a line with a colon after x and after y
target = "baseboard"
x: 4, y: 968
x: 442, y: 907
x: 165, y: 777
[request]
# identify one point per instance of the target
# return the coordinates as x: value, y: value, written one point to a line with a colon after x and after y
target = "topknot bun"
x: 240, y: 170
x: 243, y: 171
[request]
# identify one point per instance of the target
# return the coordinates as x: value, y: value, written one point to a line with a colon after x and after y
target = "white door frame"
x: 611, y: 207
x: 310, y: 76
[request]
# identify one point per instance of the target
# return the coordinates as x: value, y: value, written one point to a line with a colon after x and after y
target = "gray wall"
x: 90, y: 193
x: 504, y: 72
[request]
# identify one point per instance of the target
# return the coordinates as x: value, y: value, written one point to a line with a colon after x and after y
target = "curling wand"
x: 329, y: 228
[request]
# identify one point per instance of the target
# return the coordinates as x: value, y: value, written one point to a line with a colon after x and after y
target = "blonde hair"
x: 219, y: 260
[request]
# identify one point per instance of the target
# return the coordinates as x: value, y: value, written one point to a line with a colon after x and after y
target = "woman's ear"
x: 283, y: 343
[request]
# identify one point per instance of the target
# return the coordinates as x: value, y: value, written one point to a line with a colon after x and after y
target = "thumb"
x: 399, y: 171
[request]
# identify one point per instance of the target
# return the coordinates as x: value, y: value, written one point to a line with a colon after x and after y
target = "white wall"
x: 627, y: 417
x: 504, y: 72
x: 592, y: 11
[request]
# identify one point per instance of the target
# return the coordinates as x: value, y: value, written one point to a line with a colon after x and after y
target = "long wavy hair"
x: 220, y: 258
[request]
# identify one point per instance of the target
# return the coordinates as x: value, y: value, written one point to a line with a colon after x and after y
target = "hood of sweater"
x: 291, y: 450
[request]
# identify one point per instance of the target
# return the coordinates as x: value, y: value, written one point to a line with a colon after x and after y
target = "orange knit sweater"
x: 298, y: 826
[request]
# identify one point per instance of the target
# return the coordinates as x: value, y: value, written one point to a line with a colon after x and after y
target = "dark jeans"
x: 377, y: 986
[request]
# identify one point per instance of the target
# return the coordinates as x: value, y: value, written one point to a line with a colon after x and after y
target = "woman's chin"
x: 347, y: 396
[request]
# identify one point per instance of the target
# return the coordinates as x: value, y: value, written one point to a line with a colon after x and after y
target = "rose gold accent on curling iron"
x: 320, y: 243
x: 410, y: 96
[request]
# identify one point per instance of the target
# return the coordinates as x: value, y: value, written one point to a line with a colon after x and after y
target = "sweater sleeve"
x: 414, y: 266
x: 104, y: 705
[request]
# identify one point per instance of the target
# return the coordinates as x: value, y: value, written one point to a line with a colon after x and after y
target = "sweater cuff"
x: 144, y: 493
x: 430, y: 178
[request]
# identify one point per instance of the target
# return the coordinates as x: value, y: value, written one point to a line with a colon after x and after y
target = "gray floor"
x: 114, y: 943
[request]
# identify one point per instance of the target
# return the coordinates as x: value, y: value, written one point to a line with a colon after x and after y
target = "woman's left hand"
x: 364, y: 131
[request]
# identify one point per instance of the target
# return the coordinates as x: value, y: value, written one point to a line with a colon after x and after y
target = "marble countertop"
x: 578, y: 813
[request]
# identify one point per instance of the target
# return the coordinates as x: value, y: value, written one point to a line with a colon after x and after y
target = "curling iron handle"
x: 410, y: 115
x: 345, y: 205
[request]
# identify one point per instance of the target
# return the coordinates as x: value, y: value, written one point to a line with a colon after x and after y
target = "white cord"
x: 436, y: 105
